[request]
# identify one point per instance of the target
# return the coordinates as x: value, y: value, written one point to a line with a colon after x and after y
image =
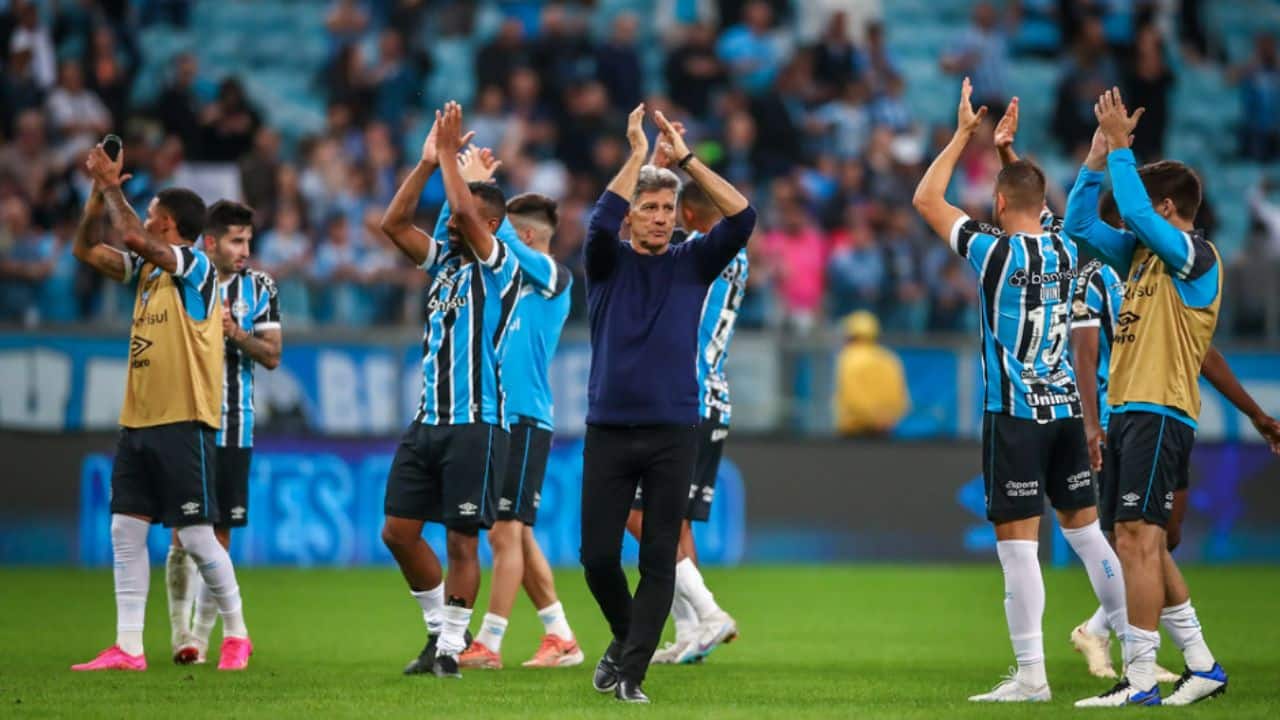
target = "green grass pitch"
x: 820, y: 642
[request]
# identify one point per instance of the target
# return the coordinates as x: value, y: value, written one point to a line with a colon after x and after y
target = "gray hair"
x: 652, y: 179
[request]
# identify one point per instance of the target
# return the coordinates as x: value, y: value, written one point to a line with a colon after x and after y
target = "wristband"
x: 685, y: 160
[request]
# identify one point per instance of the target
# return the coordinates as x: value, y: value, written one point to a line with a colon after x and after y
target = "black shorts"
x: 526, y: 467
x: 167, y: 473
x: 702, y: 489
x: 1149, y: 456
x: 233, y: 486
x: 448, y: 474
x: 1024, y: 460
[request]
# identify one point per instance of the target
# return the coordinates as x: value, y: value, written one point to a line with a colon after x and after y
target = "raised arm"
x: 106, y: 174
x: 1081, y: 222
x: 449, y: 141
x: 624, y: 183
x: 722, y: 194
x: 1216, y: 370
x: 930, y: 198
x: 602, y: 245
x: 87, y: 246
x: 397, y: 221
x: 1006, y: 131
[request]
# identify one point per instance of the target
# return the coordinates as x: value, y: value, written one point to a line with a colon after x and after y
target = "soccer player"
x: 539, y: 317
x: 644, y: 302
x: 1033, y: 438
x: 1167, y: 319
x: 165, y: 466
x: 701, y: 625
x: 450, y: 463
x: 251, y: 331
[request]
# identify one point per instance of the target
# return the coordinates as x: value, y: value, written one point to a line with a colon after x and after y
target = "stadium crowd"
x: 801, y: 104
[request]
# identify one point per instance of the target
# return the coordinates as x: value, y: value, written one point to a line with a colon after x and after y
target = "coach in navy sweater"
x: 644, y: 300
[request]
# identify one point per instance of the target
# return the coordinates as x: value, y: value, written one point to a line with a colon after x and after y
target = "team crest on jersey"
x: 240, y: 308
x: 1080, y: 308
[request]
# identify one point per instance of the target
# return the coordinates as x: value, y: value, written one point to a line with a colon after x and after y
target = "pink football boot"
x: 113, y: 658
x: 235, y: 653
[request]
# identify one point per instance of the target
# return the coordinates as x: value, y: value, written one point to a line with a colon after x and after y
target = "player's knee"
x: 506, y: 537
x: 462, y: 547
x: 1135, y: 540
x: 397, y: 538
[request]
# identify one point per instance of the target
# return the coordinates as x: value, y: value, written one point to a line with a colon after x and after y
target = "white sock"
x: 432, y: 604
x: 554, y: 621
x: 1103, y: 566
x: 132, y: 579
x: 1097, y: 624
x: 1140, y: 648
x: 206, y: 614
x: 179, y: 577
x: 216, y: 571
x: 453, y: 638
x: 1183, y: 626
x: 1024, y: 607
x: 492, y: 628
x: 685, y: 616
x: 689, y: 583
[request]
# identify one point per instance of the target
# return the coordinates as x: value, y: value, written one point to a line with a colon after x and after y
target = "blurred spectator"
x: 618, y: 64
x: 1085, y: 75
x: 258, y: 172
x: 348, y: 83
x: 28, y: 159
x: 737, y: 164
x: 228, y: 124
x: 835, y: 58
x: 110, y: 73
x: 982, y: 53
x: 953, y: 293
x: 30, y: 35
x: 843, y: 125
x: 757, y: 309
x: 339, y: 275
x: 178, y: 106
x: 797, y: 249
x: 346, y: 21
x: 1148, y: 81
x: 856, y: 272
x: 753, y: 51
x: 875, y: 63
x: 396, y: 85
x: 496, y: 61
x: 871, y: 395
x: 1259, y: 80
x: 27, y: 261
x: 672, y: 17
x: 906, y: 307
x: 77, y: 114
x: 890, y: 108
x: 1266, y: 212
x: 562, y: 52
x: 693, y: 71
x: 18, y: 89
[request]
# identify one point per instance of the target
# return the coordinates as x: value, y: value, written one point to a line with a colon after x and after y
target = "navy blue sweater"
x: 644, y: 312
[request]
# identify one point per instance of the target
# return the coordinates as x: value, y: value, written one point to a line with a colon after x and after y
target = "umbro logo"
x: 504, y: 505
x: 1128, y: 317
x: 708, y: 494
x: 719, y: 434
x: 537, y: 500
x: 190, y: 508
x: 139, y: 345
x: 1131, y: 499
x: 467, y: 509
x: 238, y: 512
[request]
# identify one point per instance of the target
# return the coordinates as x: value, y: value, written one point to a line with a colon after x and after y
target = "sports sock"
x: 1183, y: 626
x: 685, y: 616
x: 432, y: 604
x: 1024, y: 607
x: 492, y: 628
x: 1097, y: 624
x: 690, y: 584
x: 1140, y: 648
x: 554, y: 621
x: 1105, y: 575
x: 217, y: 572
x: 179, y: 577
x: 453, y: 638
x: 206, y: 614
x: 132, y: 579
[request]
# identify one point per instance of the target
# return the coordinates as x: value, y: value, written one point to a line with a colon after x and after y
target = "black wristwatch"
x: 685, y: 160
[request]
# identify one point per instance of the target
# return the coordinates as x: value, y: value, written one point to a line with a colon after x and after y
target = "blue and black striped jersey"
x: 715, y: 332
x: 1025, y: 292
x: 251, y: 297
x: 1099, y: 293
x: 469, y: 304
